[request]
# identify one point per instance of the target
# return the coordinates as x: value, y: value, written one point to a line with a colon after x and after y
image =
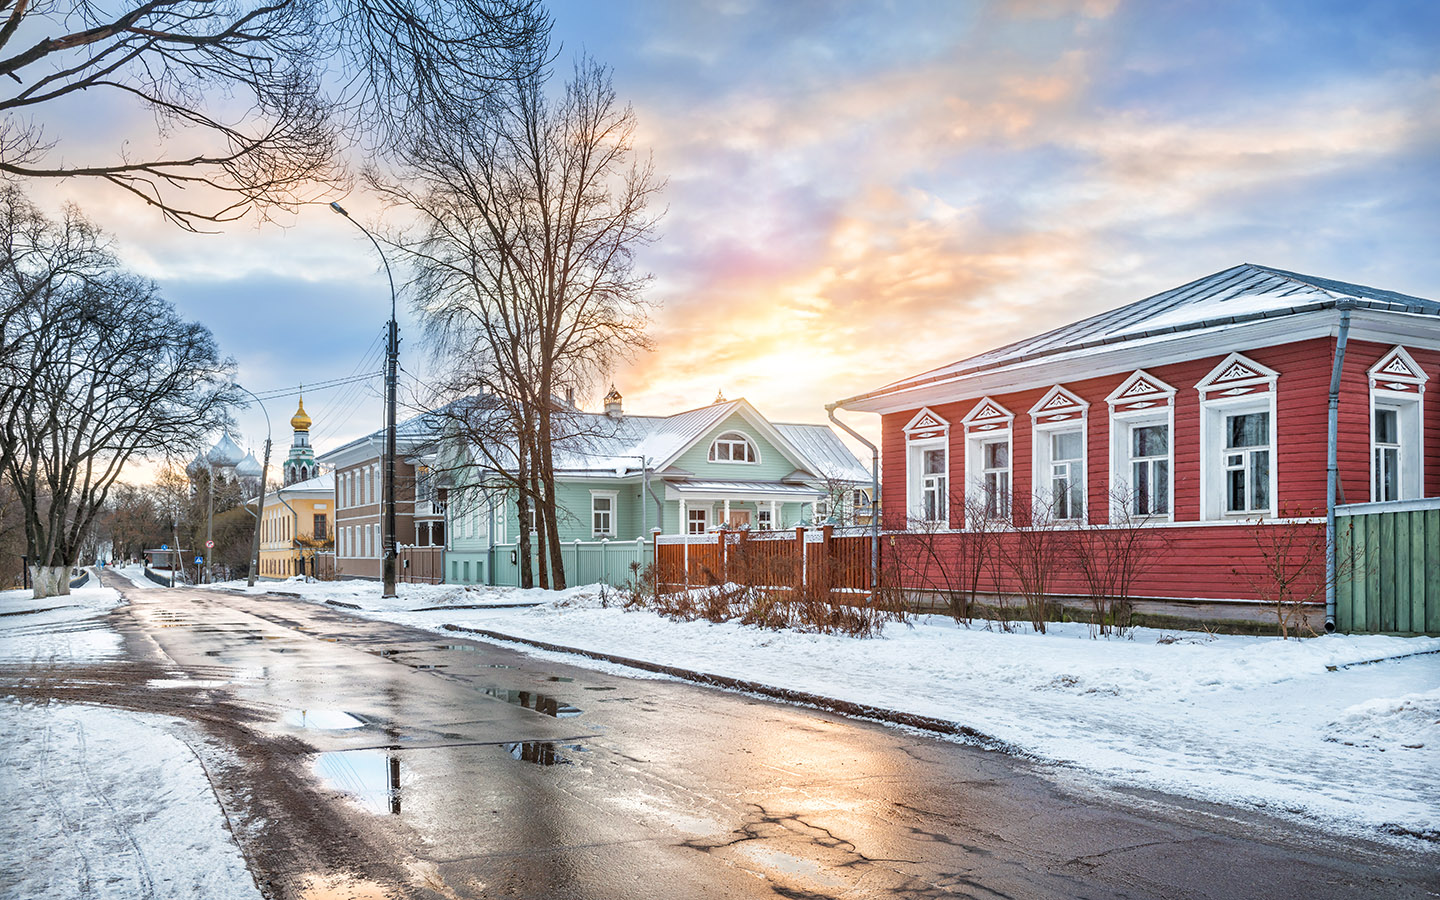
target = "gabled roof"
x: 1244, y: 293
x: 829, y: 457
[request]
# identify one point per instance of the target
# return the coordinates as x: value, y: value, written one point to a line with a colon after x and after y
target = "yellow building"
x: 298, y: 518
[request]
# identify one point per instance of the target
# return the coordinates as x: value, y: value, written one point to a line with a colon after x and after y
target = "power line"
x: 320, y: 386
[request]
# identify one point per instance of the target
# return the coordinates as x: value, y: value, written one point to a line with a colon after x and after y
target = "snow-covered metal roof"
x: 826, y: 452
x: 225, y: 452
x: 778, y: 488
x: 324, y: 483
x: 249, y: 467
x: 1244, y: 293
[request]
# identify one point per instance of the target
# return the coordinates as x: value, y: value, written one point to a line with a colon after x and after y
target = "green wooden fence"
x: 1387, y: 567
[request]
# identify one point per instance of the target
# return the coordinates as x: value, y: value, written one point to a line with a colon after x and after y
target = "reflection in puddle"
x: 542, y: 753
x: 463, y: 648
x: 341, y: 887
x: 372, y: 777
x: 606, y: 688
x: 323, y: 719
x: 550, y: 706
x: 558, y: 678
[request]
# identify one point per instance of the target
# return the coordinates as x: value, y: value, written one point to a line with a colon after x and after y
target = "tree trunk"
x: 522, y: 540
x: 50, y: 581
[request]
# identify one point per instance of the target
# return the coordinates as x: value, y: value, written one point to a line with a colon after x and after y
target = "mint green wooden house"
x: 723, y: 465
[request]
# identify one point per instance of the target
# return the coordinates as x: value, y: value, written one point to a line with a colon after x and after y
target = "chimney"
x: 570, y: 396
x: 612, y: 404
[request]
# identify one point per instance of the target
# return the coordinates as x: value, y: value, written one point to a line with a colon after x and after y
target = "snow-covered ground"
x: 1290, y: 727
x: 100, y: 802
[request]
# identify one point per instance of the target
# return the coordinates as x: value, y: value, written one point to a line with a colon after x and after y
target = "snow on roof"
x: 324, y: 482
x: 1241, y: 293
x: 823, y: 447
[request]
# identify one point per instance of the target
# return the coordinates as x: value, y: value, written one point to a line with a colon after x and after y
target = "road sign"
x: 199, y: 560
x: 209, y: 545
x: 164, y: 546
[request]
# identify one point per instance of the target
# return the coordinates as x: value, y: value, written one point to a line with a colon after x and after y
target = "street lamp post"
x: 392, y: 361
x: 260, y: 503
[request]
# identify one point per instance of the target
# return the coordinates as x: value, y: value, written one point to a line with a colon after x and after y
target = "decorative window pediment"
x: 926, y: 424
x: 1398, y: 371
x: 1235, y: 376
x: 988, y: 416
x: 1140, y: 391
x: 1058, y: 405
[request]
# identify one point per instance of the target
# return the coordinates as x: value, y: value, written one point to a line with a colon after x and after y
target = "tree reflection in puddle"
x: 542, y: 753
x: 371, y: 777
x: 541, y: 703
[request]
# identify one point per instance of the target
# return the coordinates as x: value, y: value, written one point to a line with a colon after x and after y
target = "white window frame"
x: 927, y: 431
x: 611, y: 514
x: 763, y: 520
x: 1141, y: 400
x: 987, y: 423
x: 706, y: 514
x: 1397, y: 382
x: 1237, y: 386
x: 1058, y: 411
x: 733, y: 438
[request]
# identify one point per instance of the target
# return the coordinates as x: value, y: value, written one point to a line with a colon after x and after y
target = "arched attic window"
x: 734, y: 447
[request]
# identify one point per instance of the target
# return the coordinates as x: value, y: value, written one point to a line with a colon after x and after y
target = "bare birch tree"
x: 531, y: 209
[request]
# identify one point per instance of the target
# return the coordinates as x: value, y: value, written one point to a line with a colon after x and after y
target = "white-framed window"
x: 1067, y: 473
x: 1142, y: 429
x: 1247, y: 456
x: 927, y: 470
x: 764, y: 521
x: 602, y: 513
x: 1386, y: 446
x: 1148, y: 443
x: 1239, y: 461
x: 1058, y: 449
x: 734, y: 447
x: 1397, y: 427
x: 995, y: 477
x: 697, y: 520
x: 823, y: 509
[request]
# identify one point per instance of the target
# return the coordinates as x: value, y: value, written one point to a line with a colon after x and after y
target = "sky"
x: 857, y: 192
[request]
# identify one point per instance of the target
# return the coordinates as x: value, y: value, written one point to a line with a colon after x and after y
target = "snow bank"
x: 68, y: 628
x: 106, y: 803
x: 1277, y: 725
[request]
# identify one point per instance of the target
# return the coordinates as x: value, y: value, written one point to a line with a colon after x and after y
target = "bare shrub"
x: 1110, y: 556
x: 1291, y: 575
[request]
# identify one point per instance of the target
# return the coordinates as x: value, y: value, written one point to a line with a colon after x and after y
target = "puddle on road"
x: 500, y: 666
x: 341, y: 887
x: 791, y: 865
x: 558, y: 678
x: 370, y: 777
x: 541, y: 703
x: 322, y: 719
x: 604, y: 688
x: 463, y: 648
x: 200, y: 683
x: 427, y: 665
x: 543, y: 753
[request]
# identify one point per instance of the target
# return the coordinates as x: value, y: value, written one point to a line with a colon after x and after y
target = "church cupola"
x: 300, y: 464
x: 613, y: 405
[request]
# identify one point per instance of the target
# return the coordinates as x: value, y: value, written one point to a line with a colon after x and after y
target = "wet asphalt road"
x: 359, y: 758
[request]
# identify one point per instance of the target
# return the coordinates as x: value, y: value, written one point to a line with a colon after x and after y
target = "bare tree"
x: 263, y: 97
x: 112, y: 373
x: 950, y: 563
x: 530, y: 213
x: 1291, y: 572
x: 1111, y: 556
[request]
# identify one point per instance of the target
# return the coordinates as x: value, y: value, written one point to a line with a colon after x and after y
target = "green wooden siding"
x: 1387, y: 571
x: 773, y: 464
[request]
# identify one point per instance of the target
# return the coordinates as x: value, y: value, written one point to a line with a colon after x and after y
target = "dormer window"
x: 733, y: 447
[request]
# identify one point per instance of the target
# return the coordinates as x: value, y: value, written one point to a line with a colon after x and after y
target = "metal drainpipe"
x: 874, y: 499
x: 1332, y: 469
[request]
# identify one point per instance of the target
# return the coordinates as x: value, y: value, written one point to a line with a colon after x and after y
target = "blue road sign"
x: 199, y: 560
x: 164, y: 546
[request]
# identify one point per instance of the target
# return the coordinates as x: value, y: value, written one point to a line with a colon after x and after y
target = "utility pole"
x: 392, y: 363
x: 260, y: 504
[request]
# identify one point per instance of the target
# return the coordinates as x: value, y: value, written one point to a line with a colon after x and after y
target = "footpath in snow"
x: 1308, y: 729
x: 100, y: 802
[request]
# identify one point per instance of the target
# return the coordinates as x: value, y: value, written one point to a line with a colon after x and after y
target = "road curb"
x: 789, y: 695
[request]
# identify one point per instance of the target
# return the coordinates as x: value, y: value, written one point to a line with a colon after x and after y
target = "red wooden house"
x: 1202, y: 411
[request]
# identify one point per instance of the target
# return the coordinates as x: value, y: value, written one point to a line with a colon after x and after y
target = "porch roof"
x: 740, y: 490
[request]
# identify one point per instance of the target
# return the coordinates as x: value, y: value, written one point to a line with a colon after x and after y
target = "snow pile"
x: 101, y: 802
x: 1279, y: 725
x: 66, y: 628
x: 366, y: 594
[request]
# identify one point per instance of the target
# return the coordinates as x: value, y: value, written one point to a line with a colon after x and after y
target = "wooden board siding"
x: 1209, y: 562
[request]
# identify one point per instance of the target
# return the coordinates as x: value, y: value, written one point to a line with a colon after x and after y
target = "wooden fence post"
x: 800, y: 543
x: 724, y: 568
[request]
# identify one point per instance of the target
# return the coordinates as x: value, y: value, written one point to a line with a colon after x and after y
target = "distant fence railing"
x: 820, y: 557
x: 586, y: 562
x: 1387, y: 567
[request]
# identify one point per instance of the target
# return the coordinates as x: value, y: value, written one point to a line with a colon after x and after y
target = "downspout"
x: 1332, y: 469
x: 874, y: 499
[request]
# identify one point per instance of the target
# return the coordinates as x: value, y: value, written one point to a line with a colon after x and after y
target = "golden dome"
x: 300, y: 421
